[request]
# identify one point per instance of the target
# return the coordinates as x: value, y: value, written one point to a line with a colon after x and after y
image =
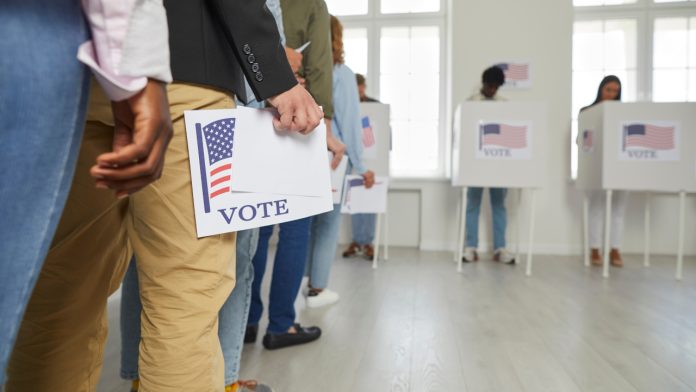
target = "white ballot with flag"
x: 245, y: 174
x: 337, y: 177
x: 359, y: 200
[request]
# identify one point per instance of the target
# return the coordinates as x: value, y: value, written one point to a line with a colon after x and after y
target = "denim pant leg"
x: 364, y: 228
x: 131, y: 308
x: 289, y: 266
x: 497, y: 196
x: 323, y: 243
x: 259, y: 262
x: 473, y: 209
x: 42, y: 107
x: 234, y: 313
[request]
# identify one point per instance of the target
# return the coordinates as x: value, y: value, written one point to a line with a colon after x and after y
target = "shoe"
x: 322, y: 298
x: 353, y: 249
x: 251, y: 333
x: 248, y: 386
x: 470, y: 255
x: 369, y: 252
x: 302, y: 335
x: 503, y: 256
x: 596, y: 257
x: 135, y: 384
x: 615, y: 258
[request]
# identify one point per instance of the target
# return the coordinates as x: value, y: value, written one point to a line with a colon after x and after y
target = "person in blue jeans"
x: 347, y: 127
x: 43, y: 103
x: 491, y: 79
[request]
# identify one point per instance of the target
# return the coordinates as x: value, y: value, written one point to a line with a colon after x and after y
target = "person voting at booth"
x: 363, y: 225
x: 492, y: 79
x: 347, y: 127
x: 609, y: 90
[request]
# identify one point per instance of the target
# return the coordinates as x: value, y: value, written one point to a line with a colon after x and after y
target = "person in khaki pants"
x: 183, y: 280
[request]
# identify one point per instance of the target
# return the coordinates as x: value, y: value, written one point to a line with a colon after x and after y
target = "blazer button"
x: 251, y: 59
x: 246, y: 49
x: 259, y: 77
x: 255, y: 67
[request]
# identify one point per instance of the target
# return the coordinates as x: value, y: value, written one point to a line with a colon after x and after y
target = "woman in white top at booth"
x: 492, y: 79
x: 347, y: 127
x: 609, y: 90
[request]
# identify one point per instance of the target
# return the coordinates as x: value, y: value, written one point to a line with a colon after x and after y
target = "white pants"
x: 596, y: 216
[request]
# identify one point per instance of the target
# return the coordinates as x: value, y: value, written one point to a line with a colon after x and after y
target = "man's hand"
x: 142, y: 132
x: 334, y: 145
x: 369, y: 178
x: 297, y: 110
x: 294, y: 58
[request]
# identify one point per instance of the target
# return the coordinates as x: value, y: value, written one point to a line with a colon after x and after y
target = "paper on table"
x: 215, y: 141
x: 359, y: 200
x: 337, y: 177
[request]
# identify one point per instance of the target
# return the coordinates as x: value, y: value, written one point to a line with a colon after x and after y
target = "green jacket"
x: 308, y: 20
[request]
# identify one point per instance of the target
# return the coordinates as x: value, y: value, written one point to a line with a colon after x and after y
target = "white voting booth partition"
x: 645, y: 147
x: 376, y: 138
x: 499, y: 144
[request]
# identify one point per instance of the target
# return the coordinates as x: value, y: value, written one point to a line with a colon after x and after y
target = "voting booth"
x: 499, y: 144
x: 375, y: 119
x: 645, y: 147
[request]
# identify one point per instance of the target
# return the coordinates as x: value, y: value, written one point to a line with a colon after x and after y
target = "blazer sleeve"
x: 317, y: 62
x: 253, y: 36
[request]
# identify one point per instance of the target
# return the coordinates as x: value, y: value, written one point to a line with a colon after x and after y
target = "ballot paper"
x: 245, y: 174
x: 337, y: 177
x: 359, y: 200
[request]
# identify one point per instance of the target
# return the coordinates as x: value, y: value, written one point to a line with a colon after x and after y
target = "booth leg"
x: 646, y: 238
x: 532, y: 219
x: 680, y: 243
x: 607, y: 231
x: 462, y: 229
x: 586, y: 229
x: 375, y: 257
x: 517, y: 223
x: 386, y: 237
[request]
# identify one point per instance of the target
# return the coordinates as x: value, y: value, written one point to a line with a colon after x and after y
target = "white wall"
x: 484, y: 31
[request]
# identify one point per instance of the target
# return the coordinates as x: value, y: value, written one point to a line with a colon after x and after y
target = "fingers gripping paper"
x: 245, y: 174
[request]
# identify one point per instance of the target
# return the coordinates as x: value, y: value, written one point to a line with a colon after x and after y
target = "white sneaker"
x: 324, y: 298
x: 503, y: 256
x: 469, y: 254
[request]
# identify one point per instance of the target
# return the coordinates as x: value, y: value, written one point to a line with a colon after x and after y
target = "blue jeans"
x: 289, y: 266
x: 473, y: 208
x: 43, y: 100
x: 322, y: 246
x: 232, y: 321
x: 364, y: 228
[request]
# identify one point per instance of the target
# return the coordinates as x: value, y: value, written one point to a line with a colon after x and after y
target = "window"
x: 674, y: 59
x: 649, y: 44
x: 399, y: 46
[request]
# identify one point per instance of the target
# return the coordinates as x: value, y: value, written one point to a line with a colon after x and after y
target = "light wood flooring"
x: 415, y: 324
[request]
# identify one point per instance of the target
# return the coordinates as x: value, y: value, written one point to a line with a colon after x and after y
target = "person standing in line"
x: 346, y: 126
x: 184, y: 280
x: 233, y: 314
x: 44, y: 73
x: 304, y: 21
x: 609, y: 90
x: 362, y: 225
x: 492, y: 79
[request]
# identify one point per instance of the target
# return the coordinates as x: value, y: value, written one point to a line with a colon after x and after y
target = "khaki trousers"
x: 184, y: 281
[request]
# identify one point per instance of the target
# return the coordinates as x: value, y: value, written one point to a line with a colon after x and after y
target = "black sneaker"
x: 251, y: 332
x: 281, y: 340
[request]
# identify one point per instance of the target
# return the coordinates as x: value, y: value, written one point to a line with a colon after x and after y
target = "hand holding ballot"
x: 369, y: 179
x: 297, y: 110
x: 235, y: 185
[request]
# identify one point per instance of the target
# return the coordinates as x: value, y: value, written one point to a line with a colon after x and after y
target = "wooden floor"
x: 417, y: 325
